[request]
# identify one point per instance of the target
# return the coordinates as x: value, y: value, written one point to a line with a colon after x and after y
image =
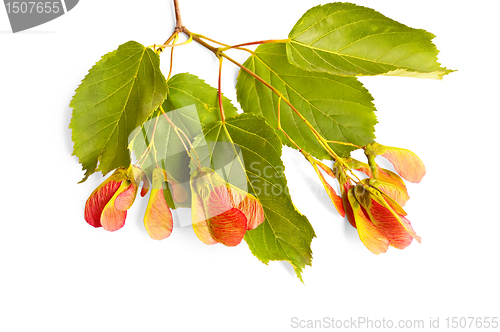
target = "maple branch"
x: 240, y: 46
x: 321, y: 140
x: 220, y: 54
x: 200, y: 41
x: 219, y: 92
x: 178, y: 26
x: 172, y: 58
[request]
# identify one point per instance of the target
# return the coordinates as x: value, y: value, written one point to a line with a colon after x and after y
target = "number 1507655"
x: 16, y: 7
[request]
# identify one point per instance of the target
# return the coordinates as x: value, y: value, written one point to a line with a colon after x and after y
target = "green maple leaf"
x: 117, y: 96
x: 346, y: 39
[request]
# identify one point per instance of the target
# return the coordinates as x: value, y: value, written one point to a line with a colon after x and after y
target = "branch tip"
x: 179, y: 27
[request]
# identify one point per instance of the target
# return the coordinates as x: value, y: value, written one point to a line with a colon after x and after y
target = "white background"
x: 57, y: 273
